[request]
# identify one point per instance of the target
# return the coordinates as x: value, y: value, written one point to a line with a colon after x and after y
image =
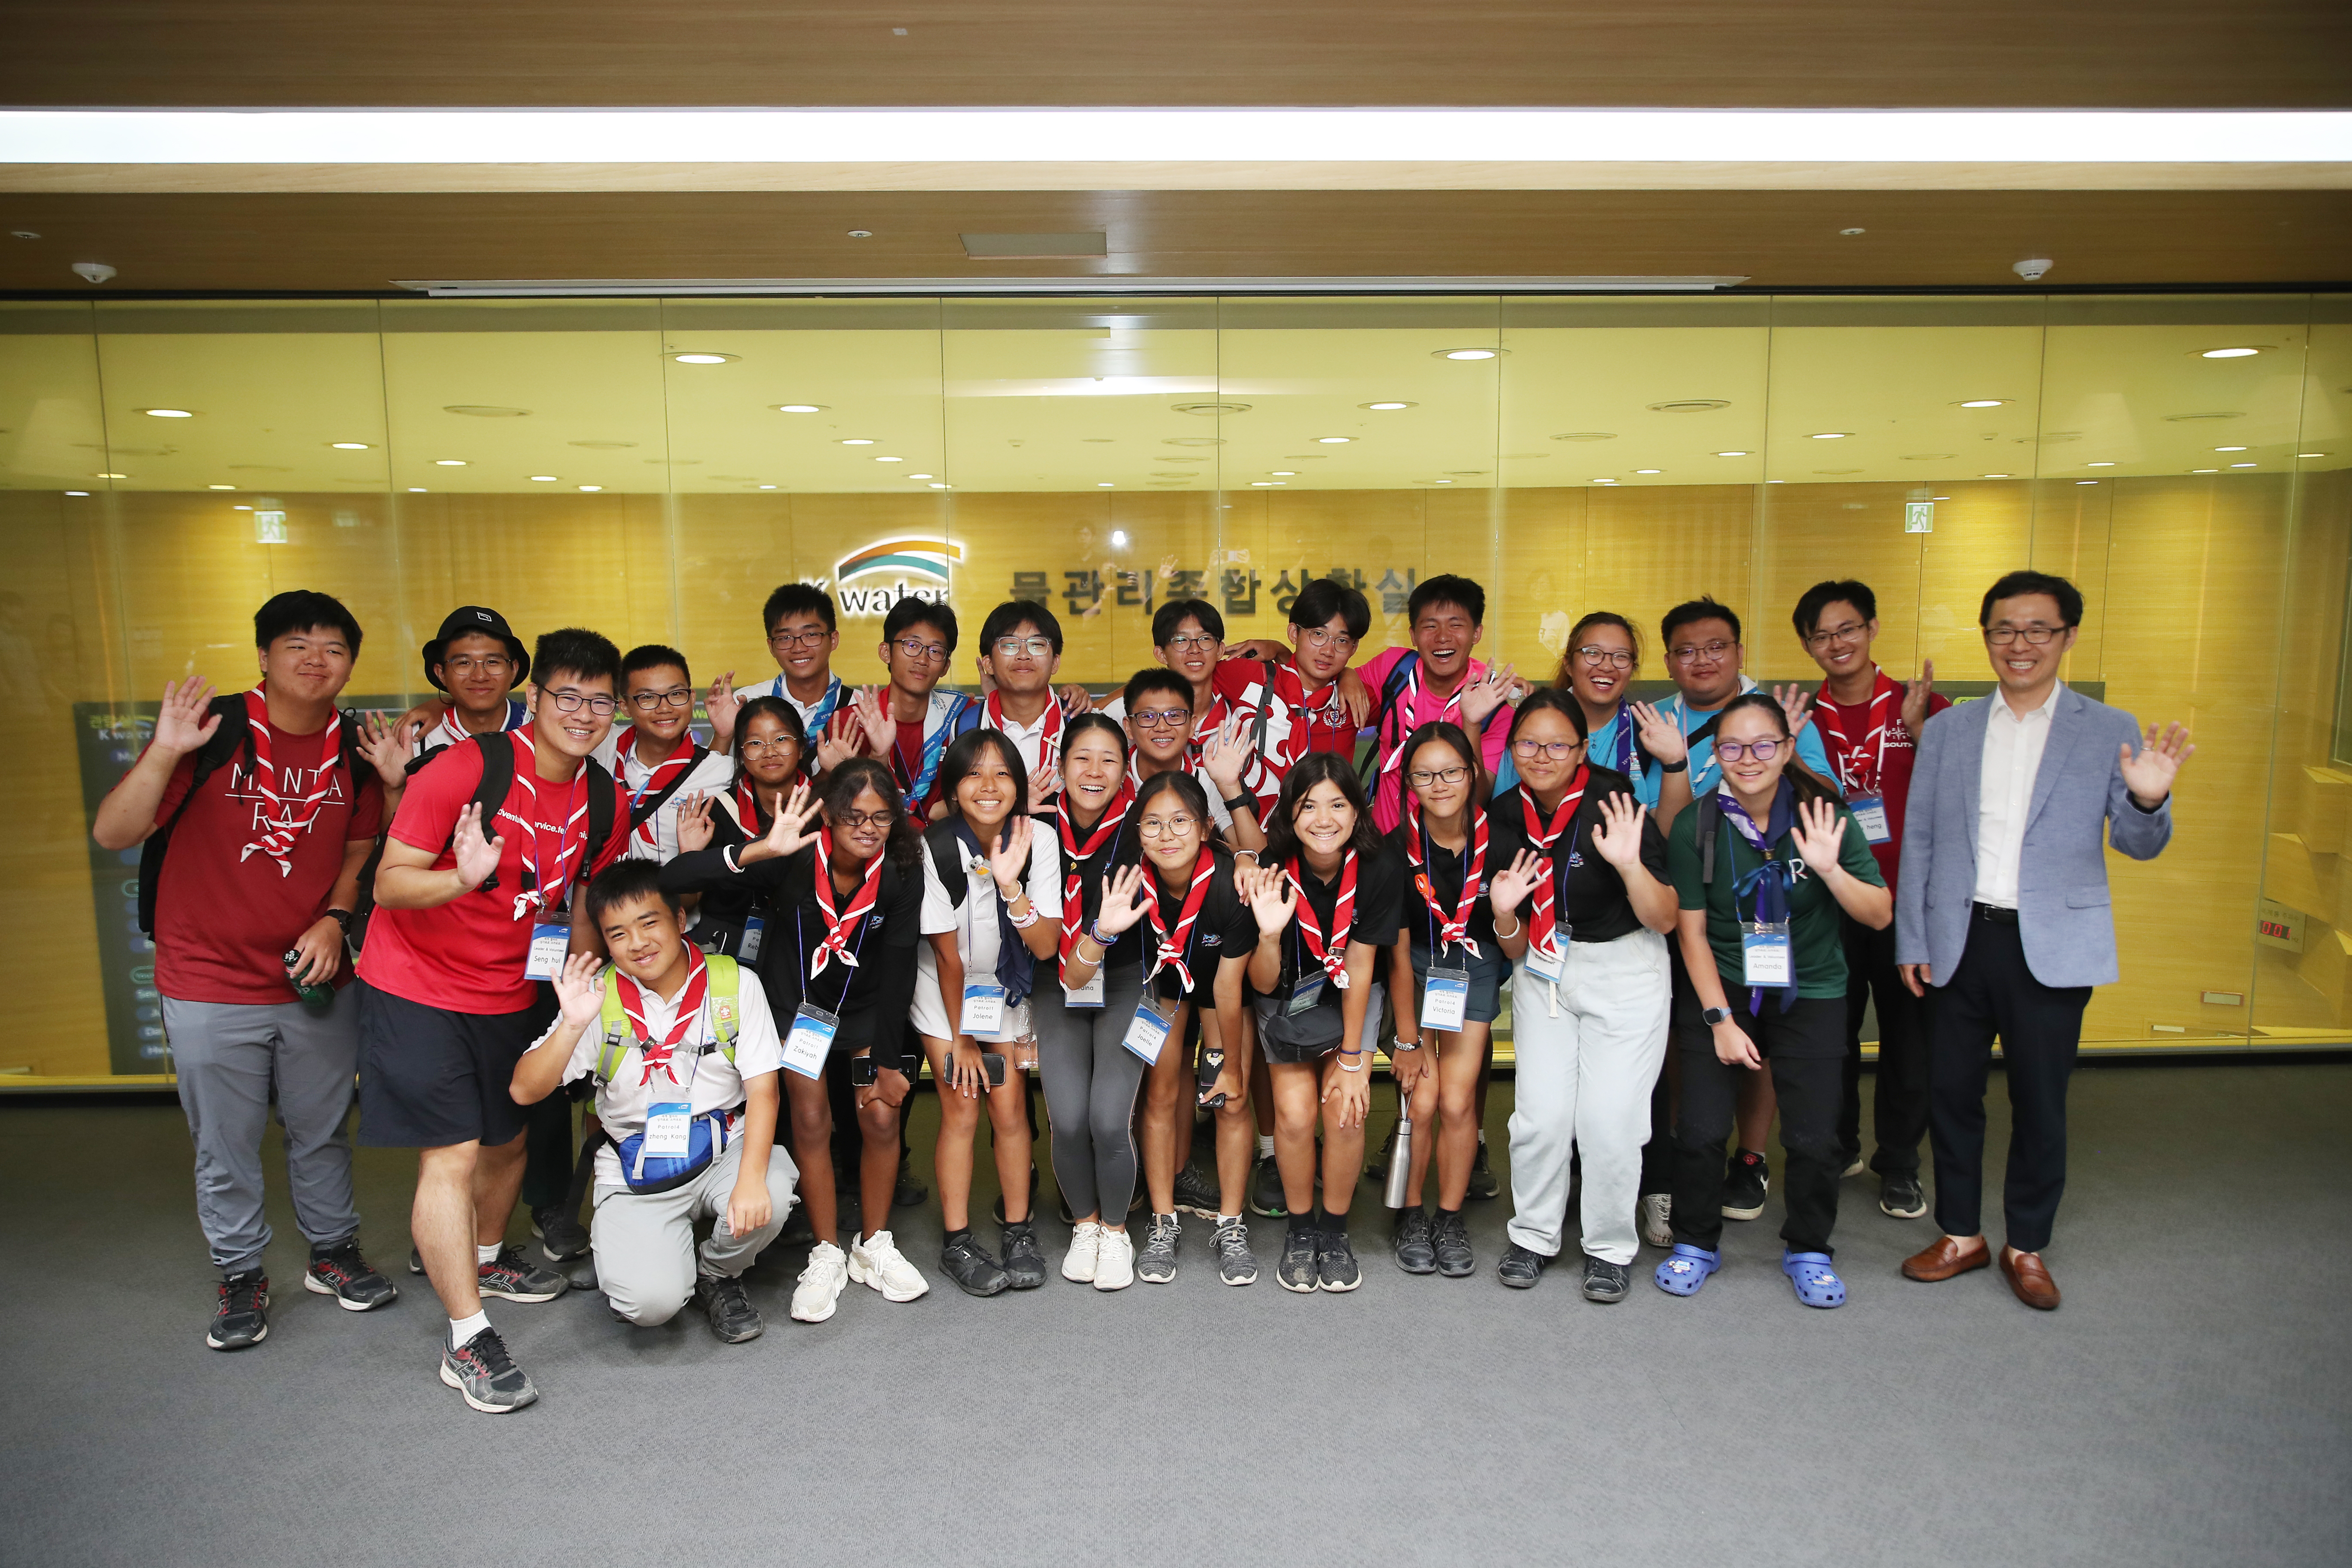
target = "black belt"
x: 1993, y: 914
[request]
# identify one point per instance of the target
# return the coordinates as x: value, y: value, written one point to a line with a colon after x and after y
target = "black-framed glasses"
x: 925, y: 652
x: 1846, y: 633
x: 675, y: 697
x: 1763, y: 750
x: 1421, y: 778
x: 781, y: 638
x: 569, y: 701
x: 1200, y: 642
x: 1557, y: 751
x: 2038, y: 636
x: 1013, y: 648
x: 882, y: 819
x: 1614, y: 658
x: 1690, y: 651
x: 1163, y: 719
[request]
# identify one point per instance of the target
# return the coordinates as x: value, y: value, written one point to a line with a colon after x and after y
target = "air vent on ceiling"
x: 1032, y: 247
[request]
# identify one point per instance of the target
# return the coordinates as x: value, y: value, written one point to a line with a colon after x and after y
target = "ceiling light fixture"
x: 2098, y: 465
x: 348, y: 446
x: 1284, y: 473
x: 889, y: 459
x: 767, y: 486
x: 1985, y: 402
x: 1992, y: 475
x: 76, y: 492
x: 417, y: 489
x: 448, y: 462
x: 168, y: 413
x: 110, y: 476
x: 799, y: 408
x: 2228, y: 448
x: 704, y: 358
x: 2242, y: 465
x: 1604, y: 481
x: 1105, y: 484
x: 1334, y: 440
x: 1731, y: 454
x: 591, y: 489
x: 918, y: 476
x: 220, y: 486
x: 1384, y: 407
x: 2086, y: 482
x: 1649, y: 471
x: 1207, y: 410
x: 1441, y: 482
x: 240, y: 507
x: 1850, y: 233
x: 544, y: 478
x: 938, y: 486
x: 2229, y: 354
x: 1465, y: 354
x: 1831, y: 434
x: 1586, y: 435
x: 1264, y: 484
x: 856, y: 441
x: 1118, y: 538
x: 2310, y: 454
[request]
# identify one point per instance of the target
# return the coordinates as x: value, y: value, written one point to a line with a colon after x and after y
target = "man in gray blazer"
x: 2003, y: 911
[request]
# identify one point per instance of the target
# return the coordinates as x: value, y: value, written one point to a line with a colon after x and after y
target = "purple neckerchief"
x: 1768, y: 883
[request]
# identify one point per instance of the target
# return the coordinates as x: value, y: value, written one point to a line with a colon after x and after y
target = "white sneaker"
x: 1086, y: 1242
x: 820, y: 1284
x: 1656, y: 1216
x: 1115, y: 1261
x: 876, y: 1261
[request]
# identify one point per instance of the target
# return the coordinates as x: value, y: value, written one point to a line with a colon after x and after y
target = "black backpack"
x: 947, y: 859
x: 498, y: 777
x: 234, y: 738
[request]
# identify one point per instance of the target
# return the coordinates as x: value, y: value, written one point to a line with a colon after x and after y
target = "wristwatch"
x: 341, y: 918
x: 1674, y: 767
x: 1240, y: 803
x: 1714, y: 1015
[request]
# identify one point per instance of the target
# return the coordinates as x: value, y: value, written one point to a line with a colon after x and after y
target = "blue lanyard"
x: 850, y: 971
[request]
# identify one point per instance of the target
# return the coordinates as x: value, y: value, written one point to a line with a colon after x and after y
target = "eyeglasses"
x: 675, y: 697
x: 1690, y: 651
x: 781, y: 743
x: 866, y: 819
x: 780, y: 638
x: 2002, y: 636
x: 569, y: 701
x: 1201, y: 643
x: 1423, y: 778
x: 927, y: 652
x: 1732, y: 751
x: 1159, y: 827
x: 1013, y: 648
x: 489, y: 664
x: 1557, y: 751
x: 1614, y: 658
x: 1845, y: 633
x: 1163, y: 719
x: 1320, y: 637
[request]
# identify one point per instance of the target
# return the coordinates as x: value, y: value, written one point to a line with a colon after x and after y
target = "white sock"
x: 1265, y: 1145
x: 486, y: 1254
x: 1482, y: 1138
x: 1229, y: 1219
x: 464, y: 1329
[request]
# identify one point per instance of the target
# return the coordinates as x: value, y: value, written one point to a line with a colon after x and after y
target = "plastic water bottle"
x: 318, y: 993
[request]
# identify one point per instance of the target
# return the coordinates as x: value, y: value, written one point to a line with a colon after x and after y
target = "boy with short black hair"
x: 262, y: 808
x: 909, y: 732
x: 684, y: 1057
x: 1020, y: 653
x: 803, y: 631
x: 1294, y: 701
x: 1436, y: 678
x: 657, y: 758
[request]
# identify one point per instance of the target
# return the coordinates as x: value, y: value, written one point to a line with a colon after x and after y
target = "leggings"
x: 1091, y: 1079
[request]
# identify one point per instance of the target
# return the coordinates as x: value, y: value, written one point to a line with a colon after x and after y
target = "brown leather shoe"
x: 2030, y: 1279
x: 1945, y: 1257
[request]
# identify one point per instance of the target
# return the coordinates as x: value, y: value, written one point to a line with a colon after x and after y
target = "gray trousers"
x: 1091, y: 1078
x: 644, y: 1241
x: 229, y: 1058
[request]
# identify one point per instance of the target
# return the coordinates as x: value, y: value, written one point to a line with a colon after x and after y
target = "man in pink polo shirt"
x: 1436, y: 678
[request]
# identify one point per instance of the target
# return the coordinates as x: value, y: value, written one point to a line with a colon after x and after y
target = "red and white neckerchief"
x: 689, y: 1008
x: 1333, y: 956
x: 451, y: 731
x: 546, y: 893
x: 680, y: 759
x: 1543, y: 923
x: 747, y: 814
x: 1074, y: 855
x: 1049, y: 738
x: 1173, y: 944
x: 288, y: 817
x: 839, y: 928
x: 1408, y: 705
x: 1860, y: 762
x: 1325, y: 708
x: 1208, y: 722
x: 1455, y: 927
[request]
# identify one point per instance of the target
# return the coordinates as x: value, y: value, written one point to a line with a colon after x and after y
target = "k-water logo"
x: 925, y: 562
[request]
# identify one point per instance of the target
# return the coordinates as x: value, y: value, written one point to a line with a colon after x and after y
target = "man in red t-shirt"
x: 472, y: 919
x: 1869, y: 724
x: 908, y: 724
x: 253, y: 871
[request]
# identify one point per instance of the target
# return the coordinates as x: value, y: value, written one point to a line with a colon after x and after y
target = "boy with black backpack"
x: 256, y: 813
x: 473, y: 918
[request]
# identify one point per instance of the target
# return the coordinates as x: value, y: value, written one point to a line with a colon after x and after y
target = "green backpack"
x: 726, y: 988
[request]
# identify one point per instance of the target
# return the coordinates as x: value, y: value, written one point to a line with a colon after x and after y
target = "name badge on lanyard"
x: 1766, y: 957
x: 984, y: 1009
x: 551, y: 940
x: 1869, y: 808
x: 1090, y: 994
x: 1306, y: 993
x: 1445, y: 994
x: 1147, y: 1032
x: 1549, y: 963
x: 755, y: 932
x: 811, y: 1040
x: 669, y: 1130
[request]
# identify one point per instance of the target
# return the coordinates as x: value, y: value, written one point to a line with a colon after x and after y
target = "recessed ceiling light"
x: 938, y: 486
x: 2242, y: 465
x: 1984, y: 402
x: 2204, y: 470
x: 348, y: 446
x: 918, y: 476
x: 889, y: 459
x: 592, y: 489
x: 110, y: 476
x: 1105, y: 484
x: 1264, y: 484
x: 856, y: 441
x: 1850, y: 233
x: 1604, y: 481
x: 2229, y: 354
x: 2086, y: 482
x: 767, y: 486
x: 1992, y: 475
x: 544, y: 478
x: 1384, y: 407
x: 168, y: 413
x: 1118, y: 538
x: 1334, y: 440
x: 448, y: 462
x: 799, y: 408
x: 1775, y: 481
x: 2098, y: 465
x: 1284, y: 473
x: 220, y: 486
x: 417, y: 489
x: 2310, y: 454
x: 1649, y: 471
x: 2228, y: 448
x: 1939, y: 498
x: 1831, y: 434
x: 76, y: 492
x: 1731, y: 454
x: 703, y: 358
x: 240, y: 507
x: 1466, y: 354
x: 861, y: 234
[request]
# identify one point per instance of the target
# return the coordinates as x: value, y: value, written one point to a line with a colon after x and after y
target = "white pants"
x: 644, y: 1241
x: 1582, y: 1080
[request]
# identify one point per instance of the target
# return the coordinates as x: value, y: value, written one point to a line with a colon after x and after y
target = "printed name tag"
x: 811, y: 1040
x: 984, y: 1008
x: 1766, y: 956
x: 549, y: 944
x: 1444, y: 998
x: 1090, y: 994
x: 1870, y: 815
x: 1307, y: 993
x: 1147, y: 1032
x: 668, y: 1130
x: 1549, y: 963
x: 755, y: 930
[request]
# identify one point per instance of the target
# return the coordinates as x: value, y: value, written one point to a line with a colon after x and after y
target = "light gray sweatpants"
x: 644, y: 1241
x: 1583, y: 1082
x: 228, y: 1057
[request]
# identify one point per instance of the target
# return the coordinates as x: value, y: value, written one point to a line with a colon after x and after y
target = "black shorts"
x: 430, y: 1077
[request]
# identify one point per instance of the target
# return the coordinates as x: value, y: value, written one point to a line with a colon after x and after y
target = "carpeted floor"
x: 2190, y: 1403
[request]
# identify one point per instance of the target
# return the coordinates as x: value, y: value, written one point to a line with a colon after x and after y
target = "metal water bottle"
x: 1401, y: 1156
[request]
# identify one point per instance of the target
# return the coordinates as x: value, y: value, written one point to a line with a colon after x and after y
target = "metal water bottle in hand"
x: 1401, y: 1157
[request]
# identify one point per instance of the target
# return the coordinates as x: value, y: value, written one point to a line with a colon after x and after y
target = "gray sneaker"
x: 1416, y: 1246
x: 1196, y: 1193
x: 1453, y: 1238
x: 1296, y: 1268
x: 560, y: 1234
x: 733, y: 1317
x: 1155, y: 1264
x: 481, y: 1370
x: 1265, y: 1190
x: 1604, y: 1280
x: 1237, y: 1265
x: 1335, y: 1262
x: 509, y: 1276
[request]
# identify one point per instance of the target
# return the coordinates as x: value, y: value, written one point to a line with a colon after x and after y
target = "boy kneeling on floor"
x: 684, y: 1058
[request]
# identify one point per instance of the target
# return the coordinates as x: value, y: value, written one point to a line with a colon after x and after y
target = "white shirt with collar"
x: 706, y: 1080
x: 714, y: 775
x: 2012, y: 757
x: 833, y: 701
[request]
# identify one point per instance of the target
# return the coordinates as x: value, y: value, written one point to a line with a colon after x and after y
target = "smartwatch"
x: 341, y: 918
x: 1714, y: 1015
x: 1682, y: 766
x: 1240, y: 803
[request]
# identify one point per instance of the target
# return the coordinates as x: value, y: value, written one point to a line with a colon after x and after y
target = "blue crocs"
x: 1817, y: 1283
x: 1685, y: 1269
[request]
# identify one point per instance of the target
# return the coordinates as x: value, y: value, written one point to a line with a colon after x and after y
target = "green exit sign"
x: 1919, y: 517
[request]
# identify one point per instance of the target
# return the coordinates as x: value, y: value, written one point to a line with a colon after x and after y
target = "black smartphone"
x: 864, y: 1071
x: 994, y: 1062
x: 1212, y: 1064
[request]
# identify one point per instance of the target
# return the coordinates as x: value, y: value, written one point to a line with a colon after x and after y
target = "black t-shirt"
x: 884, y: 978
x: 1120, y: 850
x: 1588, y: 894
x: 1224, y: 929
x: 1443, y: 872
x: 1379, y: 904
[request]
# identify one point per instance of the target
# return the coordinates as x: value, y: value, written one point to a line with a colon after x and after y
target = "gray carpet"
x: 2190, y: 1403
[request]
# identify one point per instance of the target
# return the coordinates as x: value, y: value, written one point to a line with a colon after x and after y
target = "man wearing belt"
x: 2004, y: 910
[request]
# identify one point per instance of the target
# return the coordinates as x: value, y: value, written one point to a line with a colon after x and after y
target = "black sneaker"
x: 560, y: 1234
x: 969, y: 1265
x: 996, y: 1209
x: 1025, y: 1265
x: 1481, y: 1177
x: 1745, y: 1180
x: 1604, y: 1281
x: 1334, y: 1260
x: 1236, y: 1264
x: 1416, y: 1248
x: 481, y: 1370
x: 1521, y: 1266
x: 340, y: 1271
x: 908, y: 1191
x: 1196, y: 1193
x: 1900, y: 1196
x: 1453, y: 1240
x: 508, y: 1276
x: 1265, y: 1190
x: 733, y: 1317
x: 242, y: 1318
x: 1296, y: 1271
